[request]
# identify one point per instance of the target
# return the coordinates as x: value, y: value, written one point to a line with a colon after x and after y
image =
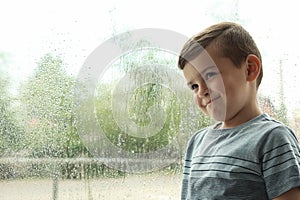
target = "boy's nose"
x: 203, y: 90
x: 203, y: 93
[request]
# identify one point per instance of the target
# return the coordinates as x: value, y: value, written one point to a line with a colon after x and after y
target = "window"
x: 92, y: 104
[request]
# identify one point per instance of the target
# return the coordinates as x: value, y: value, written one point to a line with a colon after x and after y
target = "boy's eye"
x: 194, y: 86
x: 209, y: 75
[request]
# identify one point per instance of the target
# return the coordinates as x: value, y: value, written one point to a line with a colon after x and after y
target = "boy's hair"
x: 234, y: 41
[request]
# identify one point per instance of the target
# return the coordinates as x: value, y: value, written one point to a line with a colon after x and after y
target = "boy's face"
x: 220, y: 88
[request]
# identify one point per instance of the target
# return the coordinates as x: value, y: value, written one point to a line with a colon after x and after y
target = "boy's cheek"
x: 198, y: 101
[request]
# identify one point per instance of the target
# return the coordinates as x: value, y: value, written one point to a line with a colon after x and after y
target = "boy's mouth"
x: 212, y: 100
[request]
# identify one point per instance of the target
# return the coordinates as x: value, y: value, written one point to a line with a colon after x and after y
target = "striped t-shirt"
x: 256, y: 160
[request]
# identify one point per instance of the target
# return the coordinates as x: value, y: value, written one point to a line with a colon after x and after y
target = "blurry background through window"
x: 43, y: 45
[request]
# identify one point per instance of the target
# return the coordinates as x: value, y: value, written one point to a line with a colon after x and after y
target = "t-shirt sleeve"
x: 280, y: 161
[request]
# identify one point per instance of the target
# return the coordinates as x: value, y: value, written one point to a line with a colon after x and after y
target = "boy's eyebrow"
x: 201, y: 74
x: 191, y: 82
x: 208, y: 68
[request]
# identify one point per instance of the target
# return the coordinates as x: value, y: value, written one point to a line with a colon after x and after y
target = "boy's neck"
x: 240, y: 118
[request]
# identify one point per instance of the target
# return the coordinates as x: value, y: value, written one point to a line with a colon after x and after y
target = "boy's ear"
x: 253, y: 67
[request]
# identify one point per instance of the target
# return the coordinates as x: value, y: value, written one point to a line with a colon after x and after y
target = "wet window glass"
x: 93, y: 105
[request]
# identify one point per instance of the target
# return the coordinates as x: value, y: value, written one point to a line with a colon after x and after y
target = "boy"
x: 247, y: 155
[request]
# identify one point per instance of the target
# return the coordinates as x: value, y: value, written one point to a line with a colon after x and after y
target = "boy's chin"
x: 217, y: 116
x: 216, y: 110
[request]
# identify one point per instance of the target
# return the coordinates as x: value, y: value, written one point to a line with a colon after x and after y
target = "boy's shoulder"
x: 262, y: 126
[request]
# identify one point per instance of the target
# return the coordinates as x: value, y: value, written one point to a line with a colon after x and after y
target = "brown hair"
x: 234, y: 41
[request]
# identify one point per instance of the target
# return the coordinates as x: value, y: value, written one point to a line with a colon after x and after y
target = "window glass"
x: 92, y: 104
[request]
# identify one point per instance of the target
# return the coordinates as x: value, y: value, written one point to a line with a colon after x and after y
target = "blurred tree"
x: 47, y: 101
x: 282, y: 111
x: 146, y: 97
x: 10, y: 131
x: 267, y: 106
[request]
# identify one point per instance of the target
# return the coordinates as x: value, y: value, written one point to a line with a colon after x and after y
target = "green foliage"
x: 151, y: 94
x: 146, y: 98
x: 49, y: 119
x: 10, y: 131
x: 282, y: 113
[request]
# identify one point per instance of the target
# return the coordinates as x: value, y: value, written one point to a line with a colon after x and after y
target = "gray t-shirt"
x: 256, y: 160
